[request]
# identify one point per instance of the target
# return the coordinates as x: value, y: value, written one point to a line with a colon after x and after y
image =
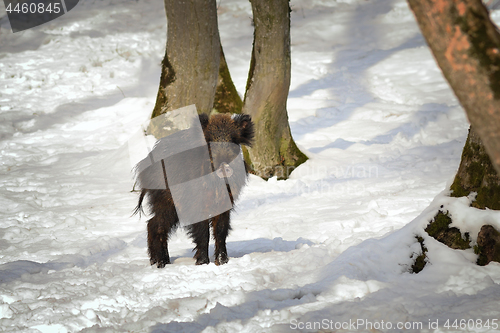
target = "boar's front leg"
x: 221, y: 227
x: 200, y: 234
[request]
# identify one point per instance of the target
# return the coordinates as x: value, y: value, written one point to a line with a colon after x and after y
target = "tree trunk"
x: 191, y: 65
x: 466, y: 45
x: 273, y: 152
x: 476, y: 174
x: 226, y: 99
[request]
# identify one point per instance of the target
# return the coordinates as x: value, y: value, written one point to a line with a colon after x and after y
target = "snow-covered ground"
x: 328, y: 249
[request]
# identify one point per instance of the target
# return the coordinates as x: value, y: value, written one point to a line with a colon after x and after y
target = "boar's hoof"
x: 202, y: 261
x: 221, y: 260
x: 160, y: 263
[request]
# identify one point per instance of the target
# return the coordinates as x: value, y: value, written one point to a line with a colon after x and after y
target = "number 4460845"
x: 32, y: 8
x: 471, y: 324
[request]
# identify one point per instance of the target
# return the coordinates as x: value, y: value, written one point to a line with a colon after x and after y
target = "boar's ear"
x: 245, y: 125
x: 203, y: 120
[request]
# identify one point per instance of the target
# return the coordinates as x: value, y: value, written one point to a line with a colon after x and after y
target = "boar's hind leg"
x: 200, y: 234
x: 158, y: 242
x: 221, y: 228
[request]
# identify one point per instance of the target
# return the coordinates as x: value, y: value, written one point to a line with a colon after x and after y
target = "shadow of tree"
x: 419, y: 120
x: 343, y: 81
x: 15, y: 270
x: 239, y: 249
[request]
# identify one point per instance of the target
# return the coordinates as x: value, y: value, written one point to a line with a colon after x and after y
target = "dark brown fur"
x: 220, y: 128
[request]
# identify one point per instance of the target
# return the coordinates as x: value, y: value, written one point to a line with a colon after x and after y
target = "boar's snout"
x: 224, y: 171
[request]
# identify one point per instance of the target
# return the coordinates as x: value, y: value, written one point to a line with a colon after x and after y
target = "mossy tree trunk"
x: 190, y: 67
x: 274, y: 152
x: 226, y: 99
x: 466, y: 45
x: 476, y: 174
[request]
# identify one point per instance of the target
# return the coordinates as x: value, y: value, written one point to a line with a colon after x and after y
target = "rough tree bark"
x: 226, y: 99
x: 466, y: 45
x: 190, y: 67
x: 274, y: 152
x: 476, y: 174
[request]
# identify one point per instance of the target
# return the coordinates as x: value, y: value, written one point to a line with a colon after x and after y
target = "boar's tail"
x: 138, y: 208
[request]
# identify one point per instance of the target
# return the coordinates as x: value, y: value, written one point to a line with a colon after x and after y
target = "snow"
x: 330, y: 248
